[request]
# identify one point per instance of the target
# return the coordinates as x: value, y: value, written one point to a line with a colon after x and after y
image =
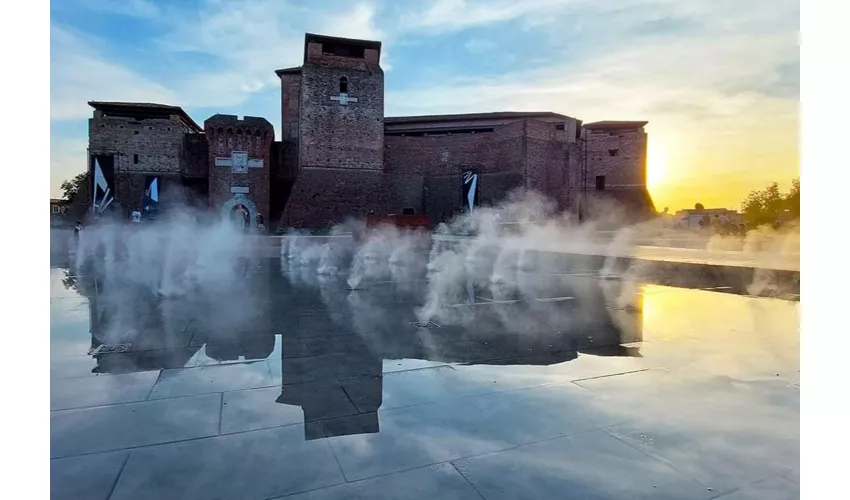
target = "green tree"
x: 699, y: 206
x: 792, y: 200
x: 768, y: 205
x: 70, y: 188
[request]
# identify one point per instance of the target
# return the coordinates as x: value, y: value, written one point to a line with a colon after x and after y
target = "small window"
x: 135, y: 132
x: 343, y: 85
x: 135, y: 159
x: 613, y: 152
x: 600, y: 183
x: 54, y: 209
x: 408, y: 211
x: 559, y: 126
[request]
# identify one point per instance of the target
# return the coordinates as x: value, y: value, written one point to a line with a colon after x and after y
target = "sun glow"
x: 656, y: 164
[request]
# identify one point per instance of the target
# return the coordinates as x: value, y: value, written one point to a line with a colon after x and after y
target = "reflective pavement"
x: 292, y: 385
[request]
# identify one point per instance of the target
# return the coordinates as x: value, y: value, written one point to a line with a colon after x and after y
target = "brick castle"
x: 339, y: 156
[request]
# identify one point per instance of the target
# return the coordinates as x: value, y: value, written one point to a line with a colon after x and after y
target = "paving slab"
x: 591, y: 465
x: 406, y: 438
x: 87, y: 477
x: 249, y: 466
x: 438, y: 481
x: 104, y: 390
x: 115, y: 427
x: 204, y: 379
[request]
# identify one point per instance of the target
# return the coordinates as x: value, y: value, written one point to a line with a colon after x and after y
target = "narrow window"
x: 135, y: 159
x: 600, y: 183
x: 343, y: 85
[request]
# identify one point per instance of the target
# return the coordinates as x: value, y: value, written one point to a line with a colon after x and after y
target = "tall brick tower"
x: 333, y: 133
x: 239, y: 160
x: 342, y: 104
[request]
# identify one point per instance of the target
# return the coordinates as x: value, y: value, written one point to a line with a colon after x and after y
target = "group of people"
x: 723, y: 226
x: 246, y: 219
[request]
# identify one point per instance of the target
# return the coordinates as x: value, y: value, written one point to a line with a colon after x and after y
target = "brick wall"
x: 140, y: 148
x: 225, y: 134
x: 333, y: 135
x: 290, y: 94
x: 148, y: 146
x: 525, y: 153
x: 195, y: 155
x: 322, y: 197
x: 619, y: 155
x: 497, y: 151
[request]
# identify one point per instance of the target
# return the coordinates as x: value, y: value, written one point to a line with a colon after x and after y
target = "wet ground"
x: 293, y: 385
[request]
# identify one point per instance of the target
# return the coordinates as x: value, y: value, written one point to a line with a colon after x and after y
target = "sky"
x: 717, y: 80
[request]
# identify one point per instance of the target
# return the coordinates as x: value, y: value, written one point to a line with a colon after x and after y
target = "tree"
x: 768, y: 206
x: 792, y: 200
x: 70, y: 188
x: 699, y: 206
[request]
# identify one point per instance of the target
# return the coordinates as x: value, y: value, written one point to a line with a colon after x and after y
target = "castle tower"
x: 615, y: 171
x: 239, y: 160
x: 342, y: 104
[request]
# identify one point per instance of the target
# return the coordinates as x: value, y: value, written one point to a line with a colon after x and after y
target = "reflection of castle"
x: 158, y: 331
x: 244, y: 324
x: 526, y: 332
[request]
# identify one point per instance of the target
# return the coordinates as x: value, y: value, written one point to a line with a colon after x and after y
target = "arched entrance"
x: 236, y: 208
x: 240, y: 216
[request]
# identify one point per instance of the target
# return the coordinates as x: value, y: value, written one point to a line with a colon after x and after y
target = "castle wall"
x: 620, y: 156
x: 497, y: 151
x: 529, y: 154
x: 322, y: 197
x: 290, y: 106
x: 336, y: 135
x: 548, y: 162
x: 227, y: 187
x: 140, y: 148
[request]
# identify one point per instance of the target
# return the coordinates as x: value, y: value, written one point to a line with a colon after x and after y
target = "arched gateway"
x: 236, y: 202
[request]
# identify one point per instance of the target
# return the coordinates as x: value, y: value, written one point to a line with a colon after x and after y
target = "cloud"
x: 249, y: 40
x: 79, y: 73
x: 479, y: 45
x: 130, y: 8
x: 454, y: 15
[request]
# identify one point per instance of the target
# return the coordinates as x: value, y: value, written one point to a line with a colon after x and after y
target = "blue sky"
x: 708, y: 75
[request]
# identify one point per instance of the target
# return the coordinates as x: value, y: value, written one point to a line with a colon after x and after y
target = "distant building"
x: 690, y: 217
x: 339, y: 156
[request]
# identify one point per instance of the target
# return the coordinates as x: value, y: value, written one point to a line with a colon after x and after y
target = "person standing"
x: 136, y: 216
x: 260, y: 224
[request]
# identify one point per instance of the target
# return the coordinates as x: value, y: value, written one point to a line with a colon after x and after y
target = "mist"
x: 514, y: 252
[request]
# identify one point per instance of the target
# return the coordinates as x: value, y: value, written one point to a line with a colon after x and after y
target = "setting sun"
x: 656, y: 164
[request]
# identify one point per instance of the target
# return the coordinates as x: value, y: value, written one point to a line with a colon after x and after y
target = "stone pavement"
x: 294, y: 386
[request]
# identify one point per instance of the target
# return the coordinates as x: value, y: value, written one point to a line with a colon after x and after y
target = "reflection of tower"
x: 353, y: 372
x: 543, y: 321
